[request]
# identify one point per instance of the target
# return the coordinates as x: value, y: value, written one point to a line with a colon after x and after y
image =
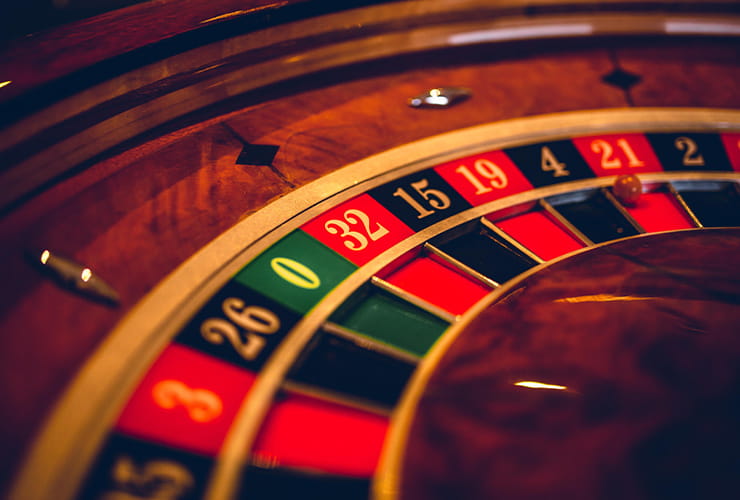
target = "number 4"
x: 551, y: 164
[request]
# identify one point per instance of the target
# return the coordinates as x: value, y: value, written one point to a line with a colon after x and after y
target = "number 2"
x: 691, y: 156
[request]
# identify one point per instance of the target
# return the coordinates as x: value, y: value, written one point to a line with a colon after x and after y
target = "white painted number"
x: 632, y: 159
x: 355, y: 240
x: 156, y: 479
x: 295, y: 273
x: 215, y: 330
x: 255, y: 320
x: 691, y: 156
x: 435, y: 198
x: 602, y: 147
x: 201, y: 405
x: 488, y: 170
x: 551, y: 164
x: 252, y: 318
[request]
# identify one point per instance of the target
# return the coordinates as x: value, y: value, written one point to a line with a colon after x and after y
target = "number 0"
x: 295, y: 273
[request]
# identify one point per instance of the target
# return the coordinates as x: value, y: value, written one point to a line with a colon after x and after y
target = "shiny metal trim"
x: 413, y: 299
x: 685, y: 206
x: 370, y: 344
x: 510, y: 240
x: 440, y: 97
x: 620, y: 208
x: 455, y: 264
x: 338, y: 398
x: 567, y: 225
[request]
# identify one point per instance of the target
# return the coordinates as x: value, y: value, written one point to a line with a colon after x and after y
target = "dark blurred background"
x: 19, y: 18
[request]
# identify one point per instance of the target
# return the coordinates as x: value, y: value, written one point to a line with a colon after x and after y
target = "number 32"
x: 355, y: 240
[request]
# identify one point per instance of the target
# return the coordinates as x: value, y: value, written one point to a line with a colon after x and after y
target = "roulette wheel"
x: 268, y: 250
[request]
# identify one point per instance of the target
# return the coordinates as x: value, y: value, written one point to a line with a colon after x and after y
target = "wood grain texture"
x: 684, y: 74
x: 135, y: 216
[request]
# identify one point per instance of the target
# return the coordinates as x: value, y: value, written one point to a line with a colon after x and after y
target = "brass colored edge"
x: 335, y: 397
x: 623, y: 211
x: 684, y: 206
x: 510, y: 240
x: 83, y: 415
x: 371, y: 344
x: 413, y: 299
x: 455, y: 264
x: 555, y: 214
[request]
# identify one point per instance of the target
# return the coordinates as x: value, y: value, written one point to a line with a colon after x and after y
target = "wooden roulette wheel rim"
x: 26, y: 204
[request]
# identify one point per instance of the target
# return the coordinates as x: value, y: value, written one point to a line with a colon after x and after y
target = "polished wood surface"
x: 142, y: 208
x: 45, y: 56
x: 635, y: 348
x: 41, y: 57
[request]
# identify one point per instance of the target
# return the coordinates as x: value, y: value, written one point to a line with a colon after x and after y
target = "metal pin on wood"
x: 74, y: 276
x: 441, y: 97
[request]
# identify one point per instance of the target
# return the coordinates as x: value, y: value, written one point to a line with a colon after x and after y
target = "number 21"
x: 608, y: 161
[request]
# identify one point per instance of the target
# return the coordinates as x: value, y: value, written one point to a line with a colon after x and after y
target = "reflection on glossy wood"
x: 611, y: 374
